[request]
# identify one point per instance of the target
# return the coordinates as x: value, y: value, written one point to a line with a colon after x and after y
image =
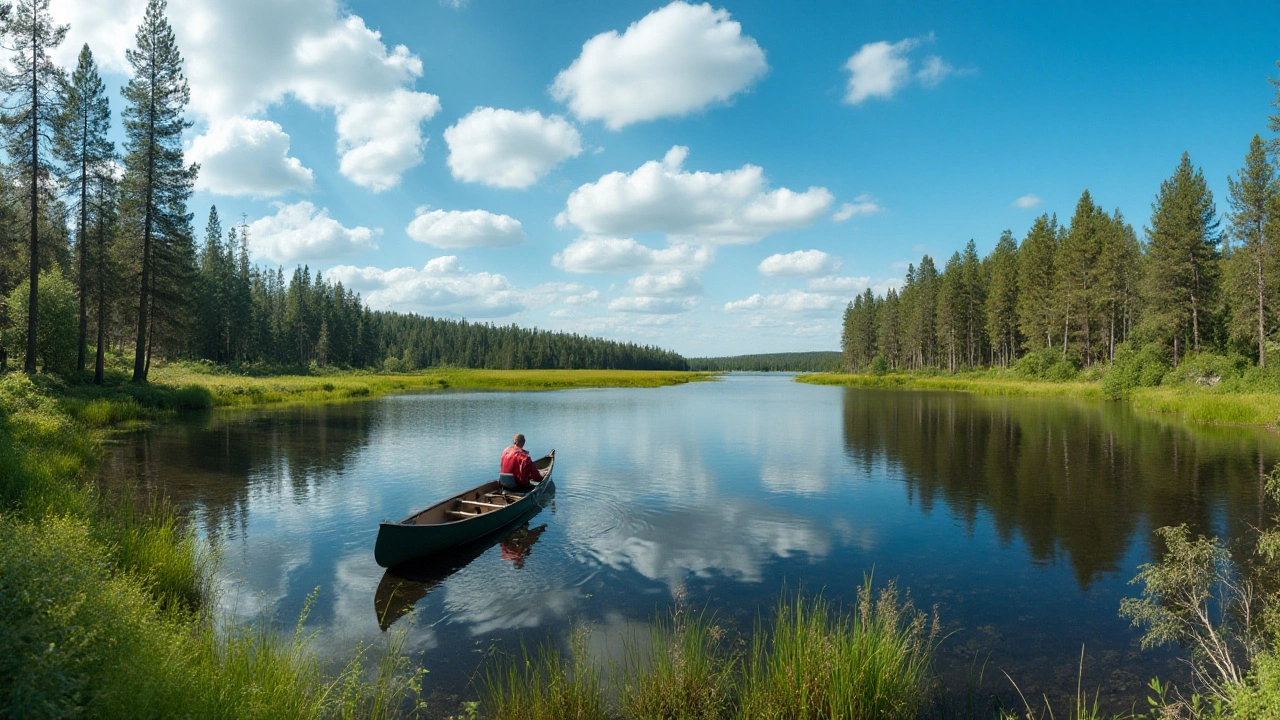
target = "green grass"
x: 811, y: 661
x: 226, y: 390
x: 980, y: 384
x: 1225, y: 405
x: 104, y: 606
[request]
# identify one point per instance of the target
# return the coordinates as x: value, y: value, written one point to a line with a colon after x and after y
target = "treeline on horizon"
x: 98, y: 252
x: 818, y: 361
x: 1076, y: 292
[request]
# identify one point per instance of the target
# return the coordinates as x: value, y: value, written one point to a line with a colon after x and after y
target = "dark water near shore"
x: 1022, y: 520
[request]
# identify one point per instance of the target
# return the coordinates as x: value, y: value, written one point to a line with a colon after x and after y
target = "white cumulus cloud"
x: 301, y: 233
x: 735, y: 206
x: 880, y: 69
x: 241, y: 156
x: 861, y: 205
x: 1029, y: 200
x: 792, y: 301
x: 465, y: 228
x: 672, y: 283
x: 244, y: 56
x: 801, y: 263
x: 674, y: 61
x: 601, y: 254
x: 441, y: 287
x: 509, y: 149
x: 653, y: 305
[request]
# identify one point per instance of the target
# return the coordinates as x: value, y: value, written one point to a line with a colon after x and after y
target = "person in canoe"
x: 517, y: 471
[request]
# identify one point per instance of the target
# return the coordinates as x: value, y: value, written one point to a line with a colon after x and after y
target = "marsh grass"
x: 684, y: 672
x: 813, y: 660
x: 820, y: 662
x: 978, y: 383
x: 544, y: 684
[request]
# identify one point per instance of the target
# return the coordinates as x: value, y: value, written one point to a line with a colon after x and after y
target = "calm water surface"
x: 1022, y: 520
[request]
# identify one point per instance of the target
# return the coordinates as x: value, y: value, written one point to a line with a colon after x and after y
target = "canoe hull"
x: 401, y: 542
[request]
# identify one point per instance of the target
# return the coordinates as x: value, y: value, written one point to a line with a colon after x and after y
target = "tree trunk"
x: 82, y: 251
x: 142, y: 349
x: 1262, y: 333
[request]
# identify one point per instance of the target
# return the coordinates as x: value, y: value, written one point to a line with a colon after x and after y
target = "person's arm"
x: 528, y: 471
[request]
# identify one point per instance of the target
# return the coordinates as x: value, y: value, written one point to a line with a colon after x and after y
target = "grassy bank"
x: 104, y: 606
x: 1226, y: 405
x: 183, y: 386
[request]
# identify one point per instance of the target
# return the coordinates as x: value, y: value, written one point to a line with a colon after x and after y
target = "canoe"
x: 403, y: 586
x: 463, y: 518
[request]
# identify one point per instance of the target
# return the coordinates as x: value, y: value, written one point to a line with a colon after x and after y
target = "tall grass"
x: 544, y: 684
x: 978, y: 383
x: 684, y: 672
x: 818, y: 662
x: 812, y: 661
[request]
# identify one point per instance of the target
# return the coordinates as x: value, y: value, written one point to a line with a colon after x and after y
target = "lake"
x: 1022, y: 520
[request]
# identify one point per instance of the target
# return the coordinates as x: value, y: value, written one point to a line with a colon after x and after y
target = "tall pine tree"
x: 81, y: 144
x: 157, y: 181
x: 31, y: 81
x: 1253, y: 199
x: 1182, y: 259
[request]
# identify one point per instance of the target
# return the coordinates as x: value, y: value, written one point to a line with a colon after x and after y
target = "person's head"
x: 518, y: 440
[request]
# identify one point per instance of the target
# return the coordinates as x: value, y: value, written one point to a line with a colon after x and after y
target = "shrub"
x: 1062, y: 371
x: 879, y: 365
x: 56, y: 328
x: 1034, y: 365
x: 1134, y: 369
x: 1207, y: 369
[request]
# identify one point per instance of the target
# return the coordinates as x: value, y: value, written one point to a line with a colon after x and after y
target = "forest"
x: 819, y: 361
x: 1076, y: 295
x: 99, y: 258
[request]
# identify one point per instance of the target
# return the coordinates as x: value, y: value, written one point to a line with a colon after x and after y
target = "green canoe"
x: 460, y: 519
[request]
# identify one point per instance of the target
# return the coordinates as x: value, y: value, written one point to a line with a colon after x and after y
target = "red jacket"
x: 516, y: 461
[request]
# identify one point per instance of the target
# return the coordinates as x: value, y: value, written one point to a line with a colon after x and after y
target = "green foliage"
x: 1133, y: 369
x: 1258, y: 697
x: 1207, y: 369
x: 55, y: 321
x: 879, y: 366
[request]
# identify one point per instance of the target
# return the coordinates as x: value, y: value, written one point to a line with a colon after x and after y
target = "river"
x: 1022, y: 520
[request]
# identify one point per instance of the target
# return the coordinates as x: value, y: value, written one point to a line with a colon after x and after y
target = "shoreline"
x: 1190, y: 403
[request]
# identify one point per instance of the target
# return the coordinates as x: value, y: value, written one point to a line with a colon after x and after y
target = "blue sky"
x: 716, y: 179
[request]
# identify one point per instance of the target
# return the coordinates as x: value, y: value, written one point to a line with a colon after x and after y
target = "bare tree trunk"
x: 1262, y: 333
x: 33, y: 307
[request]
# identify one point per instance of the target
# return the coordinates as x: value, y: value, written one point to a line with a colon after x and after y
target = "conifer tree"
x: 31, y: 81
x: 973, y: 285
x: 1182, y: 259
x: 157, y: 182
x: 105, y: 199
x: 1255, y: 201
x: 1036, y: 258
x: 82, y: 146
x: 1002, y: 299
x: 1077, y: 274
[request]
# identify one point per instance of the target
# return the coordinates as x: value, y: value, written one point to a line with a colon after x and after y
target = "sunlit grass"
x: 977, y: 385
x: 544, y: 684
x: 684, y: 671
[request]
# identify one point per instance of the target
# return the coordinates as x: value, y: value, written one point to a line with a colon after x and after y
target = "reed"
x: 544, y: 684
x: 683, y: 672
x: 820, y: 662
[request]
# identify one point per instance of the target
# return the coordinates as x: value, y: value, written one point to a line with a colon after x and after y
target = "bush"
x: 56, y: 324
x: 880, y: 365
x: 1034, y: 365
x: 1207, y: 369
x: 1143, y: 368
x: 1062, y: 371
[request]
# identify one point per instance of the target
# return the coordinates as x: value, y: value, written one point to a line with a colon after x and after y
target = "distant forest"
x: 98, y: 251
x: 1075, y: 292
x: 821, y: 361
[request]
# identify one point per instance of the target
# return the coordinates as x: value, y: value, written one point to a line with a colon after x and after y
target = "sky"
x: 715, y: 179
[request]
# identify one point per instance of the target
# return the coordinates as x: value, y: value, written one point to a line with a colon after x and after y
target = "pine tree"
x: 82, y: 146
x: 104, y: 201
x: 31, y: 81
x: 1036, y: 258
x: 952, y: 307
x: 157, y: 182
x: 1002, y: 299
x: 974, y: 290
x: 1182, y: 259
x: 1253, y: 199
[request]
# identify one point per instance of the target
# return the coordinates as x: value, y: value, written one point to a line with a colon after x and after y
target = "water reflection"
x: 1075, y: 481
